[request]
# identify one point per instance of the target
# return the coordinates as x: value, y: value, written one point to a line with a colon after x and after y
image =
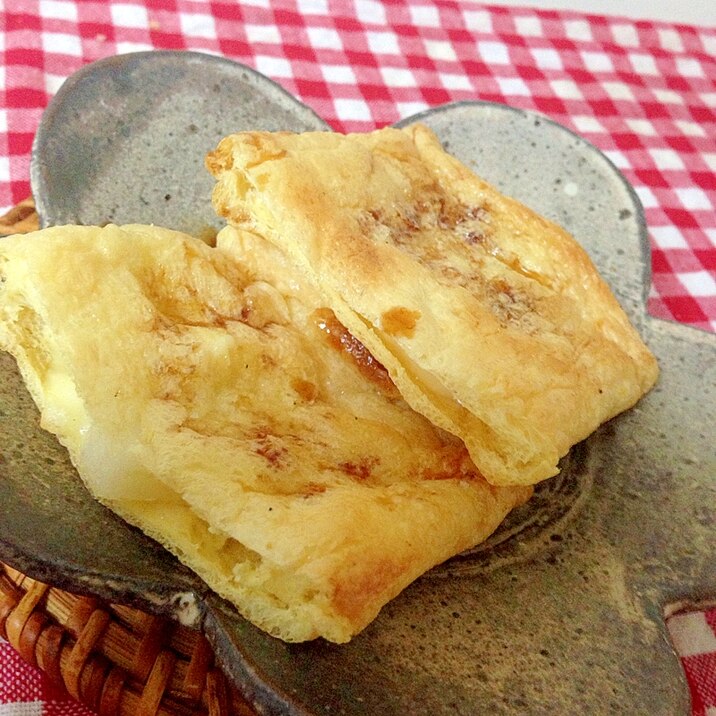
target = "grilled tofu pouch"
x: 492, y: 321
x: 211, y: 397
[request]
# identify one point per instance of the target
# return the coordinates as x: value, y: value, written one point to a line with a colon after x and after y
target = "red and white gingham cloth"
x: 643, y: 92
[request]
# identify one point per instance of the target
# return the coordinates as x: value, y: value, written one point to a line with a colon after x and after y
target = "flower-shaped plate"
x: 562, y: 611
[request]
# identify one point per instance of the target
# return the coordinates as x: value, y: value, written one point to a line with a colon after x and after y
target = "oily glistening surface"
x: 210, y: 397
x: 492, y: 321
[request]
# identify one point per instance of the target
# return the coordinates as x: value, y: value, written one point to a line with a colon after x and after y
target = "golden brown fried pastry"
x: 491, y: 320
x: 208, y: 396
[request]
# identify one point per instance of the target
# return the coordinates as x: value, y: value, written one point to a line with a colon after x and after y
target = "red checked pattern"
x: 643, y: 92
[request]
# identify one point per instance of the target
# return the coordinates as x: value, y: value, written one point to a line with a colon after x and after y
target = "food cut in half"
x: 492, y: 321
x: 210, y: 397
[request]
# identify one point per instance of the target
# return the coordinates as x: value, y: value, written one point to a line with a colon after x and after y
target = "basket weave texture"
x: 116, y: 660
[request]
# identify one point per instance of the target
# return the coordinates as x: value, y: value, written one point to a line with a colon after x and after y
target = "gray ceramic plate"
x: 562, y: 611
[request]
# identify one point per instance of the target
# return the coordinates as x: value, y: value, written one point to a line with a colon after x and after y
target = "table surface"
x: 641, y: 90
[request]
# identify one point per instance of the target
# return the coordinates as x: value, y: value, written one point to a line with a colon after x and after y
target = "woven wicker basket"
x: 116, y: 660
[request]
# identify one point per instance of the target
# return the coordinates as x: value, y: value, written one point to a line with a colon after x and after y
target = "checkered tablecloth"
x: 643, y: 92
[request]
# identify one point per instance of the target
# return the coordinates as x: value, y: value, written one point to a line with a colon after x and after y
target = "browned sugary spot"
x: 270, y: 452
x: 455, y: 465
x: 411, y: 221
x: 360, y: 470
x: 343, y: 340
x: 267, y: 446
x: 313, y: 488
x: 307, y: 390
x: 400, y: 321
x: 451, y: 213
x: 260, y: 432
x: 510, y: 304
x: 474, y: 237
x: 501, y: 286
